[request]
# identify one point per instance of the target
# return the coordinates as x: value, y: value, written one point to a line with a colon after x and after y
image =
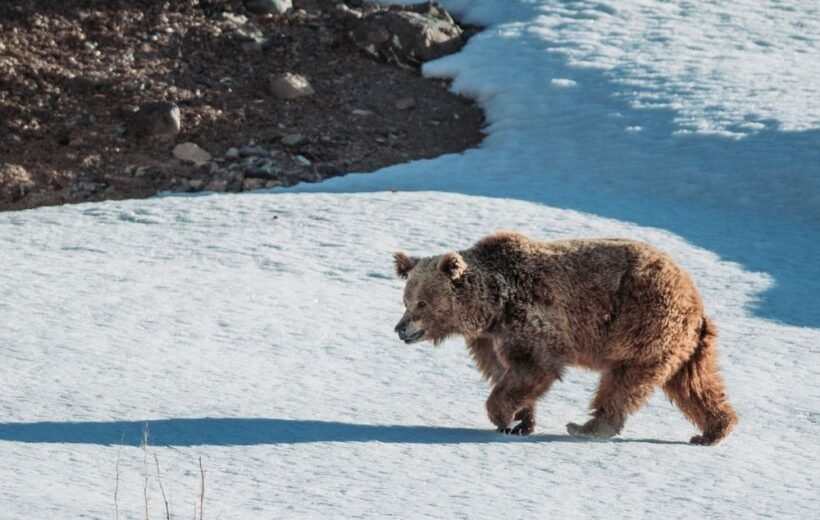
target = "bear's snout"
x: 405, y: 335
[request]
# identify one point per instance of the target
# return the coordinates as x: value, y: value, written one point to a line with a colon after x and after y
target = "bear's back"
x: 576, y: 260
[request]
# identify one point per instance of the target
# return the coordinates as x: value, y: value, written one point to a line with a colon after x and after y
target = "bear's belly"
x: 587, y: 360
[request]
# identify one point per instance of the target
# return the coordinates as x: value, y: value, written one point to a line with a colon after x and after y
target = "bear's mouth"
x: 414, y: 338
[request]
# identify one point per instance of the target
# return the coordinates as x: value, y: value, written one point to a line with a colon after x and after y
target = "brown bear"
x: 527, y: 309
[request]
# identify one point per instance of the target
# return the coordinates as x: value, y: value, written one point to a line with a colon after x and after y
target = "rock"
x: 347, y: 13
x: 251, y: 39
x: 290, y: 180
x: 233, y: 174
x: 261, y: 168
x: 232, y: 153
x: 408, y: 35
x: 301, y: 159
x: 88, y: 187
x: 159, y: 119
x: 234, y: 186
x: 361, y: 112
x: 180, y: 185
x: 268, y: 6
x: 326, y: 171
x: 252, y: 150
x: 292, y: 139
x: 144, y: 171
x: 214, y: 168
x: 195, y: 184
x: 289, y: 86
x: 309, y: 175
x: 253, y: 184
x: 404, y: 103
x: 235, y: 19
x: 191, y: 153
x: 15, y: 181
x: 216, y: 185
x: 377, y: 36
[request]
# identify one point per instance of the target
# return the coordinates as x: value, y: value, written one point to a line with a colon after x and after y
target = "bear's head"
x: 431, y: 296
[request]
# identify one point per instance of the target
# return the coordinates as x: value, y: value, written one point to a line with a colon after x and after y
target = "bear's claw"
x: 703, y: 440
x: 521, y: 428
x: 511, y: 431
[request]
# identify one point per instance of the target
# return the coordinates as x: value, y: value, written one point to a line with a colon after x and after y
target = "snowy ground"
x: 255, y: 331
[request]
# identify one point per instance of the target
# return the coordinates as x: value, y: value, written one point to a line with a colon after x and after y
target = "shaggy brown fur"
x: 528, y: 309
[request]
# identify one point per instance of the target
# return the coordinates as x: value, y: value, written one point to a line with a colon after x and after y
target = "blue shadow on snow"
x: 257, y: 431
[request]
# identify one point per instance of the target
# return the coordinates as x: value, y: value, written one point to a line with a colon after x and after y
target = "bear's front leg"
x: 500, y: 408
x: 513, y: 398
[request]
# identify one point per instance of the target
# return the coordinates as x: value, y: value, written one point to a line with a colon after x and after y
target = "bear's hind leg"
x: 621, y: 392
x: 698, y: 390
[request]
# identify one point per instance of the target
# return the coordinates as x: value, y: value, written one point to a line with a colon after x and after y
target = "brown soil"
x: 72, y: 71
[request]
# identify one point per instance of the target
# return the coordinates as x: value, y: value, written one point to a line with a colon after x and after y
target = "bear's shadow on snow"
x: 210, y: 431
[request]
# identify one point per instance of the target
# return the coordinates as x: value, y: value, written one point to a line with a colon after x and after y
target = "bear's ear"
x: 453, y: 265
x: 404, y: 264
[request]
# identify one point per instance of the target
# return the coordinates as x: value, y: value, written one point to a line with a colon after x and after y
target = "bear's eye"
x: 421, y: 305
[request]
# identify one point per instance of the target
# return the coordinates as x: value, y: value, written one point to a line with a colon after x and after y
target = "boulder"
x: 268, y: 6
x: 15, y: 181
x: 408, y: 35
x: 289, y: 86
x: 159, y: 119
x: 191, y: 153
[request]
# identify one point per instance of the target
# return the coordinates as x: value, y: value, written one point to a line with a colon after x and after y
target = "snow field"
x: 265, y: 346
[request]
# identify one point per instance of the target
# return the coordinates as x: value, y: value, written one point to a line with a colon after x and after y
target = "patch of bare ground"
x: 96, y: 96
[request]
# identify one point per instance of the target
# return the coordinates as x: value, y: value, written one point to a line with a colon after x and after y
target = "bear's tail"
x: 698, y: 390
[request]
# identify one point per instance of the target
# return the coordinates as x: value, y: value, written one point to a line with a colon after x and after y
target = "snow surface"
x: 255, y: 330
